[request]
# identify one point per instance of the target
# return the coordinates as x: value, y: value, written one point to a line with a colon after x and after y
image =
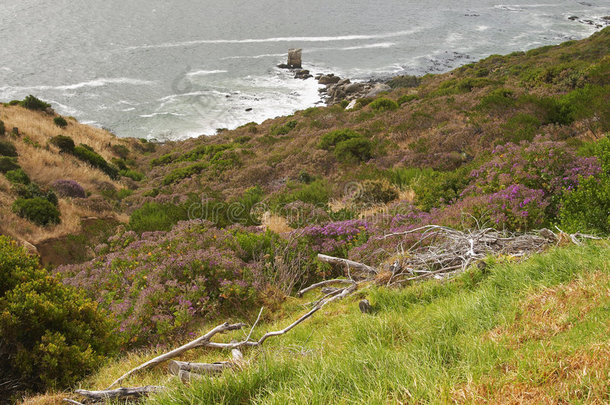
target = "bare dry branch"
x: 201, y: 341
x: 120, y: 393
x: 350, y: 263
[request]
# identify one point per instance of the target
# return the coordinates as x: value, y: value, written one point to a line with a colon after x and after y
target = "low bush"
x: 153, y: 216
x: 406, y: 98
x: 404, y: 81
x: 331, y: 139
x: 498, y: 99
x: 60, y: 122
x: 33, y: 103
x: 8, y: 163
x: 283, y: 129
x: 69, y: 188
x: 384, y: 104
x: 521, y: 127
x: 64, y: 143
x: 2, y: 128
x: 37, y: 210
x: 120, y: 150
x: 132, y: 174
x: 434, y: 189
x: 586, y: 208
x: 17, y: 176
x: 163, y: 160
x: 88, y: 155
x: 160, y: 283
x: 8, y: 149
x: 50, y: 335
x: 184, y: 172
x: 354, y: 150
x: 375, y: 192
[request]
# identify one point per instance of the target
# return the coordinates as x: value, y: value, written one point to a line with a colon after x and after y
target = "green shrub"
x: 331, y: 139
x: 37, y: 210
x: 163, y: 160
x: 283, y: 129
x: 50, y: 336
x: 588, y: 102
x: 498, y: 99
x: 154, y: 216
x: 384, y: 104
x: 587, y: 208
x: 406, y: 98
x: 521, y: 127
x: 354, y: 150
x: 438, y: 188
x: 132, y: 174
x: 184, y: 172
x: 64, y: 143
x: 375, y: 192
x: 60, y: 122
x: 363, y: 102
x: 2, y: 128
x: 7, y: 149
x: 120, y: 150
x: 404, y: 81
x: 88, y: 155
x: 33, y: 103
x: 17, y: 176
x: 8, y: 163
x: 404, y: 177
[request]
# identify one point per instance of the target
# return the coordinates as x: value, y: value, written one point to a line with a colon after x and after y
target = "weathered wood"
x: 349, y: 263
x: 201, y: 341
x: 120, y: 393
x: 203, y: 368
x: 187, y: 376
x: 71, y: 401
x: 323, y: 283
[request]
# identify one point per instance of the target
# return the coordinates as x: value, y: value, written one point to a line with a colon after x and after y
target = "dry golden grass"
x: 44, y: 164
x: 549, y: 376
x: 275, y: 223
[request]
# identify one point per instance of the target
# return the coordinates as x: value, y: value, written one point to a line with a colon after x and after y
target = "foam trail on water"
x: 277, y: 39
x: 92, y: 83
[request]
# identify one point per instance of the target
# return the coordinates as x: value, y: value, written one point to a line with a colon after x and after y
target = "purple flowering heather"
x: 68, y: 188
x: 156, y: 284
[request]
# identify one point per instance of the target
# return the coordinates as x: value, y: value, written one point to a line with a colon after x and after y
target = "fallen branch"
x: 349, y: 263
x: 323, y: 283
x: 201, y: 341
x: 208, y: 368
x: 120, y: 393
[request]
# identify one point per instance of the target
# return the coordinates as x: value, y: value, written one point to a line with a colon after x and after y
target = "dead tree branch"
x: 120, y: 393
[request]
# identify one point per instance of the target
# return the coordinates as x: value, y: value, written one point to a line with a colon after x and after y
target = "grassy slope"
x: 442, y: 126
x: 533, y: 332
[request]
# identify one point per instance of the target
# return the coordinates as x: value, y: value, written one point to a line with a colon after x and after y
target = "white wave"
x: 265, y: 55
x: 205, y: 72
x: 276, y: 39
x: 162, y: 114
x: 383, y: 45
x: 508, y: 7
x: 92, y: 83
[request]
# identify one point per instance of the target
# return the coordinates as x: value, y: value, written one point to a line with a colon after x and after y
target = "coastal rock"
x: 354, y: 88
x: 351, y: 105
x: 294, y: 58
x: 377, y: 89
x: 343, y: 82
x: 329, y: 79
x: 302, y: 74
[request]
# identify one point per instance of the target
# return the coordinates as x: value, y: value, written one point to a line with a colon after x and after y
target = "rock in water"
x: 294, y: 58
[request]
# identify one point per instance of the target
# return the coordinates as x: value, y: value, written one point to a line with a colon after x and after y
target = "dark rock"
x: 343, y: 82
x: 302, y: 74
x: 365, y: 306
x: 329, y: 79
x: 248, y: 109
x: 573, y: 18
x: 283, y: 66
x: 294, y: 58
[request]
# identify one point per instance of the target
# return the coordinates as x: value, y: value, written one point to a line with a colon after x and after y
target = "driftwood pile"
x: 439, y: 252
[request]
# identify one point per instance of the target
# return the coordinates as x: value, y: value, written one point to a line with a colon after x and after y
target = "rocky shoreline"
x: 336, y: 89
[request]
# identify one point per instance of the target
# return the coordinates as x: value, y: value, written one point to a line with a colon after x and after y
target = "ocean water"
x: 176, y: 69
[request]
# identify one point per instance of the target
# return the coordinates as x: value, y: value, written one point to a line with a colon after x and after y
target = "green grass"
x: 466, y: 340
